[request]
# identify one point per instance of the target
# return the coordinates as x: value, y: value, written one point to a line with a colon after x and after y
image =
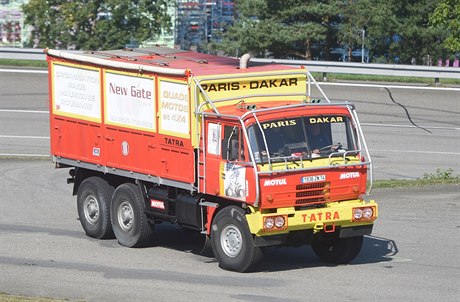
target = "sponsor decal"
x: 173, y: 142
x: 231, y: 86
x: 349, y: 175
x: 277, y: 124
x: 157, y: 204
x: 318, y: 217
x: 275, y: 182
x: 96, y: 151
x: 314, y: 178
x: 326, y: 119
x: 125, y: 148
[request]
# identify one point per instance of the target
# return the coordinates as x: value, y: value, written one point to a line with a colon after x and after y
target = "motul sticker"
x: 349, y: 175
x: 313, y: 178
x: 275, y: 182
x: 157, y: 204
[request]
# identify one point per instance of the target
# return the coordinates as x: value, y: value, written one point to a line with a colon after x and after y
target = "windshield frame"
x: 287, y: 146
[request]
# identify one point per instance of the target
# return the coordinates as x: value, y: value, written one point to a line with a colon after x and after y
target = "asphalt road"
x: 409, y: 132
x: 413, y: 254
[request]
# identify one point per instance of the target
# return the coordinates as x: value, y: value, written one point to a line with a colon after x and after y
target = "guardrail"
x: 434, y: 72
x: 323, y: 67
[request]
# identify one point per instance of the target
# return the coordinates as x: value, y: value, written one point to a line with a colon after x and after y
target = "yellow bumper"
x: 336, y: 214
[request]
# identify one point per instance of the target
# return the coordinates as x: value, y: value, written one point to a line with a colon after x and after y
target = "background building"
x: 12, y: 32
x: 199, y: 22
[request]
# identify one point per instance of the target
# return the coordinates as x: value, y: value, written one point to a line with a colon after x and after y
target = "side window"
x: 233, y: 144
x: 214, y: 146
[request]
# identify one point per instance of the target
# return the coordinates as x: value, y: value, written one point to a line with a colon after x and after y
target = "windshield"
x: 310, y: 136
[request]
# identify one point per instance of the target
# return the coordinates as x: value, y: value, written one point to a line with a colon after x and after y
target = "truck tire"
x: 232, y: 242
x: 93, y: 204
x: 129, y: 222
x: 337, y: 250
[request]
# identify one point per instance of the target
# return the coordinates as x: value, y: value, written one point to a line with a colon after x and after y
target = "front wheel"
x: 337, y: 250
x: 129, y: 222
x: 232, y: 242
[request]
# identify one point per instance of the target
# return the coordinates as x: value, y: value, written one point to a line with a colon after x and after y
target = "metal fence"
x: 323, y: 67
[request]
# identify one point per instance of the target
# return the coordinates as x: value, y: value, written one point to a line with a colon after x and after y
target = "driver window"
x: 232, y: 144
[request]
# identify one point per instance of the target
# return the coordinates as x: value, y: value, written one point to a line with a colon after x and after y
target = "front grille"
x: 309, y: 194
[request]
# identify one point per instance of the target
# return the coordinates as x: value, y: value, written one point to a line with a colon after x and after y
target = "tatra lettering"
x: 318, y: 217
x: 174, y: 142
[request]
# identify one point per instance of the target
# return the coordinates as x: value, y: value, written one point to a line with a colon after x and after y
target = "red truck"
x: 236, y: 150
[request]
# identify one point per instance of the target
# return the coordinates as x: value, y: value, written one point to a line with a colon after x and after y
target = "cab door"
x: 225, y: 151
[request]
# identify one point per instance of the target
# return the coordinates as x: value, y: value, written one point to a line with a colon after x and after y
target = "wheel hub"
x: 91, y: 209
x: 125, y: 216
x: 231, y: 241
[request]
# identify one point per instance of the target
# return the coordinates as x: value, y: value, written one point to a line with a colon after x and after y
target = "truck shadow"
x: 375, y: 250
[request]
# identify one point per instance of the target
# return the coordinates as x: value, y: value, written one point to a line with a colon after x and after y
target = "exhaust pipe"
x: 244, y: 61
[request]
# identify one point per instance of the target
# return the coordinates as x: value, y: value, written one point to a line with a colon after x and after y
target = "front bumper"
x: 336, y: 215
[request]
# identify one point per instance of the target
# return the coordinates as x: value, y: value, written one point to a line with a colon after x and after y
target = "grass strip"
x: 13, y: 298
x: 23, y: 63
x: 398, y: 183
x: 439, y: 177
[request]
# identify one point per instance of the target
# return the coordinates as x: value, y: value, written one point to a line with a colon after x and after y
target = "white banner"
x: 130, y: 101
x: 76, y: 92
x: 174, y: 108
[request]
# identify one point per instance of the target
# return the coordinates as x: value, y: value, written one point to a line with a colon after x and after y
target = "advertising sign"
x: 174, y: 109
x: 129, y: 101
x: 76, y: 92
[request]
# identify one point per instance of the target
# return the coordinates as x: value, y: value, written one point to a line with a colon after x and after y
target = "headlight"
x: 368, y: 213
x: 269, y: 223
x: 275, y: 223
x: 357, y: 213
x: 364, y: 214
x: 279, y: 222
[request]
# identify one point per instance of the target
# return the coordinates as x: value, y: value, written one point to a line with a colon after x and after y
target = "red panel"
x: 76, y: 139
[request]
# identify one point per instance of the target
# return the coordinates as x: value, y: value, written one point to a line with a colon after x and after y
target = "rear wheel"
x: 93, y: 204
x: 129, y: 222
x: 337, y: 250
x: 232, y: 242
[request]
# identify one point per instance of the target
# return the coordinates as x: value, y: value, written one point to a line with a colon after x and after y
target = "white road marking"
x: 416, y: 151
x: 23, y: 155
x: 390, y: 86
x: 23, y: 111
x: 44, y: 71
x: 24, y: 136
x: 408, y: 126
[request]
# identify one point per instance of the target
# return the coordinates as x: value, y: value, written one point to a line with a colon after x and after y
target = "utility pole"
x: 362, y: 46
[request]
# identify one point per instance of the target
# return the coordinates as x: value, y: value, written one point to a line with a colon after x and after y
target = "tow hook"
x: 329, y: 228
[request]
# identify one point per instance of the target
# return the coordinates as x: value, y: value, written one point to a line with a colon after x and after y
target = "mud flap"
x: 206, y: 249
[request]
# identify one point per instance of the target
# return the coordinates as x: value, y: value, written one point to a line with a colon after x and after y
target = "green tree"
x: 415, y: 38
x: 94, y: 24
x: 368, y: 21
x: 447, y: 15
x: 282, y: 28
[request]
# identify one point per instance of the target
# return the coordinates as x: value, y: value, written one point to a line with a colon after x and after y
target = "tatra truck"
x: 238, y: 150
